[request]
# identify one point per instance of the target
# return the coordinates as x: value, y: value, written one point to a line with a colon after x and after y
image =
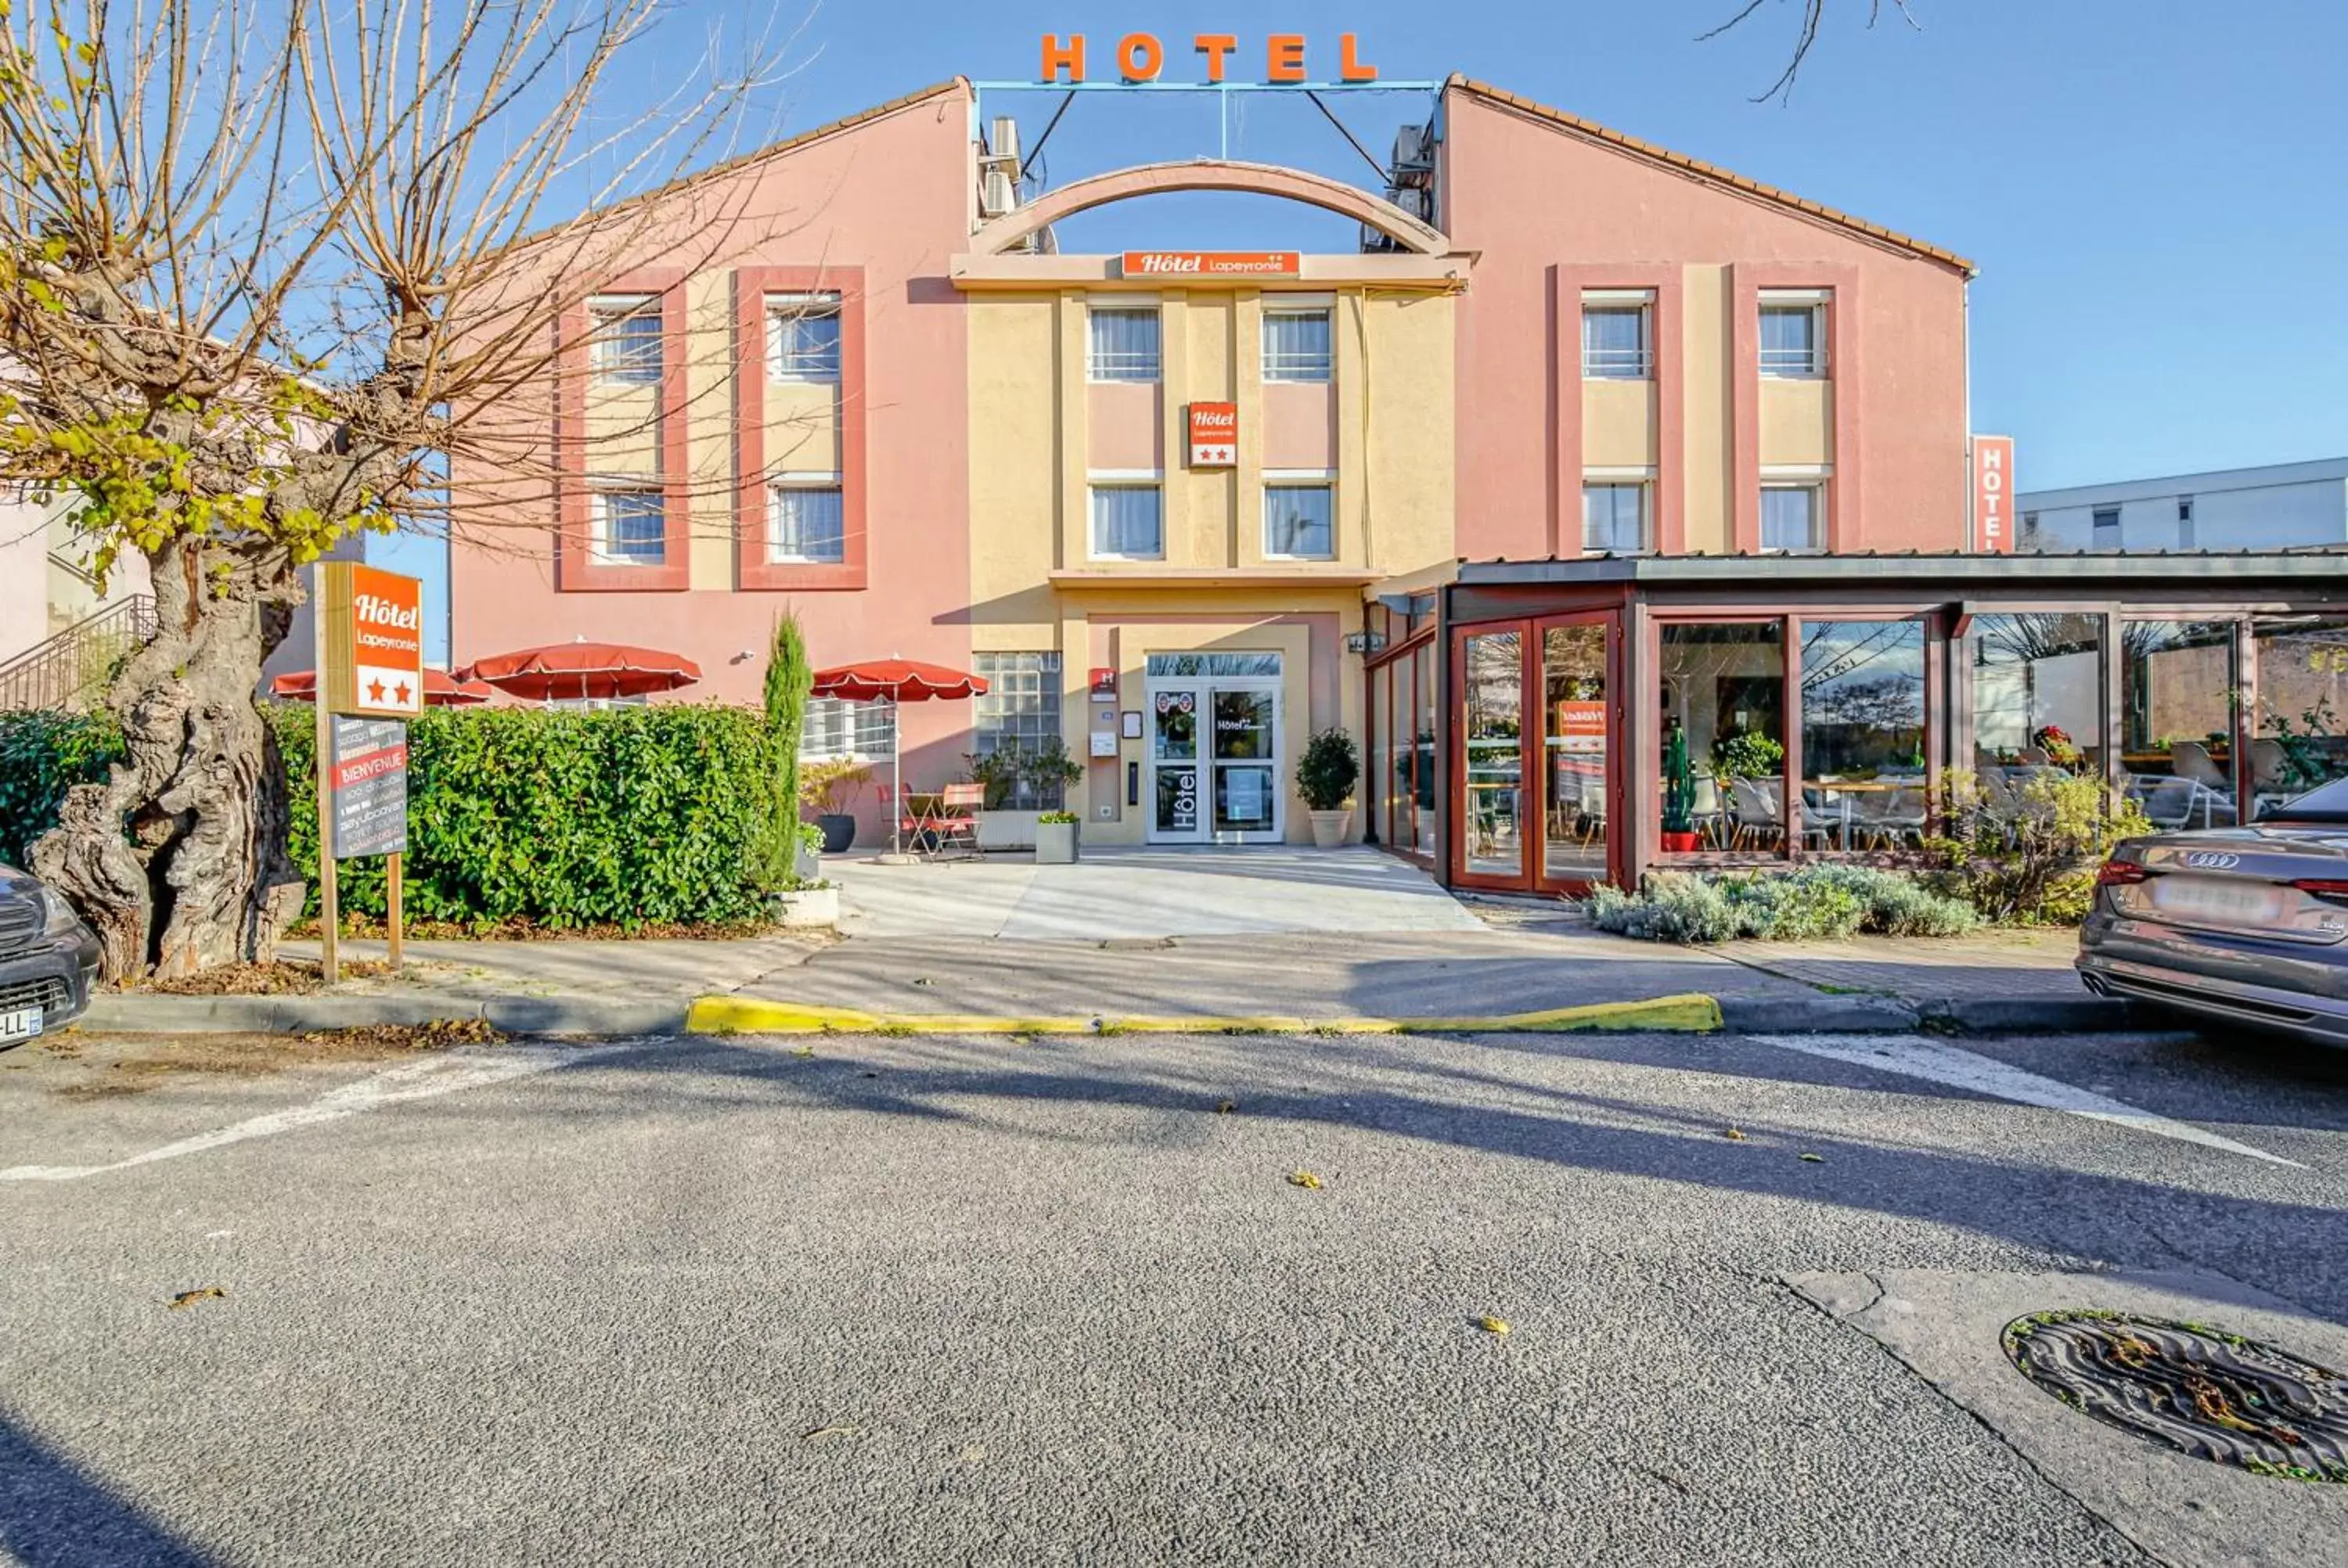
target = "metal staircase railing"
x: 71, y: 670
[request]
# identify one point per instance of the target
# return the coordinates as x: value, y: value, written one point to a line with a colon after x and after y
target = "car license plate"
x: 22, y: 1024
x: 2218, y: 901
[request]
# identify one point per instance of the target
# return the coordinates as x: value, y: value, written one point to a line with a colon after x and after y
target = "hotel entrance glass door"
x: 1214, y: 750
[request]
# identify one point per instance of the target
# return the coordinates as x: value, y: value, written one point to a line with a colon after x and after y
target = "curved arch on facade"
x: 998, y: 236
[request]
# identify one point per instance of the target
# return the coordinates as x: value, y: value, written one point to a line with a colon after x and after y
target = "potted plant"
x: 1679, y: 793
x: 1017, y: 780
x: 1055, y: 838
x: 831, y: 788
x: 1749, y: 755
x: 1325, y: 778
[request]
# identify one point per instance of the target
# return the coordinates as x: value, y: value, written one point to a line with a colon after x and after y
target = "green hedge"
x: 627, y: 816
x: 630, y: 816
x: 41, y: 754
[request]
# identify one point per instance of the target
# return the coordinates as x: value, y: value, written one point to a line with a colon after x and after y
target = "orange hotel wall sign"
x: 1141, y: 57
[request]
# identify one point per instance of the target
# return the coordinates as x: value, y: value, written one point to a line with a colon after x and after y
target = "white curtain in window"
x: 1296, y: 345
x: 630, y: 527
x: 1789, y: 517
x: 804, y: 523
x: 1126, y: 521
x: 1789, y: 339
x: 1124, y: 344
x: 1296, y: 520
x: 1614, y: 340
x: 1614, y: 518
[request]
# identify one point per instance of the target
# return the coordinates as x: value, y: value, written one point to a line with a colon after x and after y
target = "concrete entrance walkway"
x: 1113, y: 895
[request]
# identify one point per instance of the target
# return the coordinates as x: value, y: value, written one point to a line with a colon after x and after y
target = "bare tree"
x: 1814, y: 15
x: 263, y: 265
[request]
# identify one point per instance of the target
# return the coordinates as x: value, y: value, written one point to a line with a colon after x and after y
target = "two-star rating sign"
x: 373, y: 623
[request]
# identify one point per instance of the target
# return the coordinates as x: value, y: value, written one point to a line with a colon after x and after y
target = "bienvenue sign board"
x: 370, y: 787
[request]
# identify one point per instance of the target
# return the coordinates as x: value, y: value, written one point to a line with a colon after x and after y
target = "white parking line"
x: 1938, y: 1063
x: 413, y: 1081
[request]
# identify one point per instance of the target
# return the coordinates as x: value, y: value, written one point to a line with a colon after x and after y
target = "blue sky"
x: 2152, y: 189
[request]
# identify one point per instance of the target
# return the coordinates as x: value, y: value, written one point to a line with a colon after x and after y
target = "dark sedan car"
x: 2249, y: 924
x: 49, y: 959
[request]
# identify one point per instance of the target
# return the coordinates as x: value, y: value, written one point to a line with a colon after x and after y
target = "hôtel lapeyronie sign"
x: 1141, y: 56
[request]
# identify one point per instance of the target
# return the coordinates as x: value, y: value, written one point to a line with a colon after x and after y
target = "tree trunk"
x: 179, y: 860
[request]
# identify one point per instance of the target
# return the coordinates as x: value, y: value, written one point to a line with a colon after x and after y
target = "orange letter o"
x: 1140, y: 57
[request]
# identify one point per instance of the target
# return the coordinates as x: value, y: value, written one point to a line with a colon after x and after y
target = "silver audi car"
x: 2248, y: 925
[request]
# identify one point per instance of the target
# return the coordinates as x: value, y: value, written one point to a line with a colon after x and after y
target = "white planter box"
x: 809, y: 908
x: 1007, y: 830
x: 1055, y: 843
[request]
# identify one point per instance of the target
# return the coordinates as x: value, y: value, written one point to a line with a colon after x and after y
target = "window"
x: 1298, y: 521
x: 804, y: 521
x: 1191, y: 665
x: 1124, y: 344
x: 2185, y: 522
x: 2107, y: 528
x: 2029, y: 540
x: 628, y: 525
x: 2178, y: 687
x: 1791, y: 518
x: 803, y: 337
x: 1296, y: 344
x: 839, y: 729
x: 1862, y: 716
x: 1020, y: 708
x: 1793, y: 339
x: 1725, y: 692
x: 1615, y: 342
x: 1614, y: 518
x: 624, y: 339
x: 2037, y: 695
x: 1127, y: 524
x: 2297, y: 732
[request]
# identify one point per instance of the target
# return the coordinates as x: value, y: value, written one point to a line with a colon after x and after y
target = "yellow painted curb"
x: 1690, y: 1014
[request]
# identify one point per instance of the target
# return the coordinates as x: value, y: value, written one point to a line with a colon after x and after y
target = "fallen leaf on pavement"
x: 1225, y: 1107
x: 925, y: 980
x: 189, y: 1298
x: 1735, y: 1132
x: 829, y: 1432
x: 804, y: 1051
x: 1816, y: 1159
x: 1302, y: 1179
x: 1491, y: 1325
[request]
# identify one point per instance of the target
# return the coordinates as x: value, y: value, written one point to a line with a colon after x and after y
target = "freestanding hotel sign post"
x: 370, y: 664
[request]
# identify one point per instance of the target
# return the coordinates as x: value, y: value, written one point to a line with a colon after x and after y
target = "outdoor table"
x: 924, y: 814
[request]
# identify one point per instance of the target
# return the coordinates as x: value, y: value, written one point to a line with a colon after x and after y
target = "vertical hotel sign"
x: 1993, y: 494
x: 372, y: 627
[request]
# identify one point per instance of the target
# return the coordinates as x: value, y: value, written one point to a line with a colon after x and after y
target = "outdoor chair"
x: 2271, y: 776
x: 1706, y: 813
x: 2191, y: 760
x: 957, y: 822
x: 1760, y: 812
x: 1893, y: 817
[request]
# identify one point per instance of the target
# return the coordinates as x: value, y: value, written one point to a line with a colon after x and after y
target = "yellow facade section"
x: 1033, y: 449
x: 709, y: 429
x: 1708, y: 415
x: 1796, y: 423
x: 1618, y: 423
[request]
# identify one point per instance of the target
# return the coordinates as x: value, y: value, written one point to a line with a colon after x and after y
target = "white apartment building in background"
x: 2285, y: 506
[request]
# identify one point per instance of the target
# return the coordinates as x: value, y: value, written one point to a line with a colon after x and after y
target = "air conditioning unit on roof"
x: 1414, y: 156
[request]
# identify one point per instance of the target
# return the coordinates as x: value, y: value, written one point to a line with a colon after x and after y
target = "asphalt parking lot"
x: 889, y: 1300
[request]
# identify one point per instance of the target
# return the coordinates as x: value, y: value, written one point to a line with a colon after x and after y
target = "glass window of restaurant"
x: 1576, y: 783
x: 2298, y: 733
x: 1492, y: 730
x: 1422, y: 750
x: 1724, y: 690
x: 2179, y: 689
x: 1863, y: 735
x: 2037, y: 696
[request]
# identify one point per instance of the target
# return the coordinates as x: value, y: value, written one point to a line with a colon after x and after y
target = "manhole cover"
x: 2199, y: 1389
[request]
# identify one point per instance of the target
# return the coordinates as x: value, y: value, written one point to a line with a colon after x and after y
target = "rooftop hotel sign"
x: 1141, y: 56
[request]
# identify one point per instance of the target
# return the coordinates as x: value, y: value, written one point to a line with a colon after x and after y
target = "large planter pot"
x: 839, y: 831
x: 1329, y: 827
x: 1055, y: 843
x: 805, y: 909
x: 1007, y: 830
x: 807, y: 863
x: 1680, y: 842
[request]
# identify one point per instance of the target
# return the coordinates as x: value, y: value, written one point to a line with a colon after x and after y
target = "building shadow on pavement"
x: 54, y: 1514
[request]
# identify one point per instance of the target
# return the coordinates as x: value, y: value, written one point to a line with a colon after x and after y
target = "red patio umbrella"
x: 896, y: 682
x: 562, y: 671
x: 441, y: 690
